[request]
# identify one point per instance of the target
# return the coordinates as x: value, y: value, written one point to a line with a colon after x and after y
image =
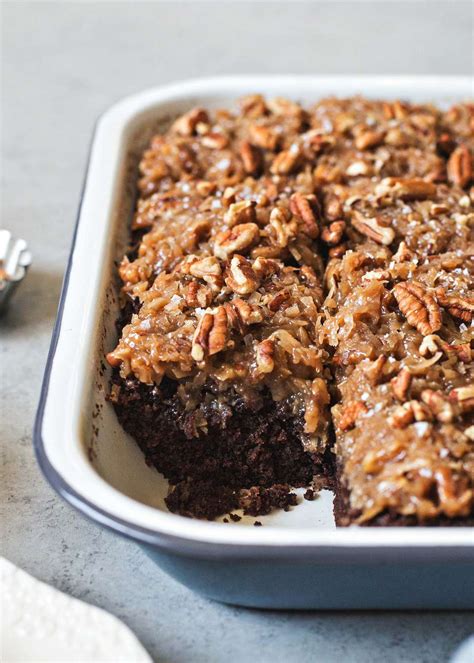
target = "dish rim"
x: 175, y: 532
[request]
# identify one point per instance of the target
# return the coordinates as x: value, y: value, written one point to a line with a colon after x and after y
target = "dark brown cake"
x: 288, y: 260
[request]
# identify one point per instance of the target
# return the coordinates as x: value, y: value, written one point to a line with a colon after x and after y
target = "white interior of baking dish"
x: 82, y: 437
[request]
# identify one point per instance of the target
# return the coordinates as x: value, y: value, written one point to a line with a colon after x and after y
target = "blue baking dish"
x: 297, y: 559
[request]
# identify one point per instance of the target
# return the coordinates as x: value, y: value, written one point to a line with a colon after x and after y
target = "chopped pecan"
x: 253, y: 105
x: 430, y: 345
x: 215, y: 140
x: 338, y: 251
x: 357, y: 168
x: 403, y: 253
x: 463, y: 397
x: 236, y: 239
x: 333, y: 233
x: 228, y: 199
x: 251, y: 157
x: 406, y: 189
x: 240, y: 313
x: 377, y: 275
x: 241, y: 212
x: 462, y: 350
x: 406, y: 414
x: 395, y: 136
x: 265, y: 356
x: 211, y: 334
x: 333, y: 208
x: 265, y: 267
x: 113, y: 359
x: 277, y: 300
x: 395, y: 110
x: 457, y: 306
x: 439, y: 404
x: 418, y: 306
x: 375, y: 460
x: 205, y: 188
x: 307, y: 209
x: 368, y: 138
x: 372, y: 228
x: 469, y: 432
x: 350, y: 414
x: 286, y: 161
x: 186, y: 124
x: 401, y: 384
x: 208, y: 269
x: 460, y: 166
x: 309, y: 276
x: 452, y: 501
x: 375, y: 369
x: 263, y: 137
x: 198, y: 295
x: 283, y: 228
x: 241, y: 278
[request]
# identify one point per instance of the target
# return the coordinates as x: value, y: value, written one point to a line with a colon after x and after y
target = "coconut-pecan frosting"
x: 298, y: 307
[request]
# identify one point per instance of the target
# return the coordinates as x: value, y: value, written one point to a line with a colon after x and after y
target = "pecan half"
x: 457, y: 306
x: 241, y: 278
x: 460, y: 166
x: 401, y: 384
x: 418, y: 306
x: 251, y: 157
x: 333, y: 233
x: 211, y: 334
x: 307, y: 209
x: 236, y: 239
x: 350, y: 414
x: 265, y: 356
x: 187, y: 123
x: 372, y: 228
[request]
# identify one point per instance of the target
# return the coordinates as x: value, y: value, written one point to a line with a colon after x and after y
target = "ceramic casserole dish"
x: 298, y: 559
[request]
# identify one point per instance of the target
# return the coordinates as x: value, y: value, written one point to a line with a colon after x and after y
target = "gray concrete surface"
x: 62, y: 64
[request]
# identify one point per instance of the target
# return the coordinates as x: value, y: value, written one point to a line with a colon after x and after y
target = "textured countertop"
x: 63, y: 63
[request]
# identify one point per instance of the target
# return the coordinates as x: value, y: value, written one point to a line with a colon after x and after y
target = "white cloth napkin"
x: 40, y: 623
